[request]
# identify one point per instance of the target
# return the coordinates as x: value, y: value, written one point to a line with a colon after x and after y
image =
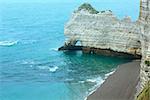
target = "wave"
x: 8, y: 43
x: 28, y: 41
x: 42, y: 66
x: 69, y: 80
x: 108, y: 74
x: 51, y: 69
x: 81, y: 82
x: 28, y: 62
x: 99, y: 81
x: 95, y: 80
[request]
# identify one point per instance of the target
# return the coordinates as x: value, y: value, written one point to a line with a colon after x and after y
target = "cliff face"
x: 105, y: 31
x: 144, y: 20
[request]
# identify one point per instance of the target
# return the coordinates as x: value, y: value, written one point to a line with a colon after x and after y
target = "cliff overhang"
x: 101, y: 32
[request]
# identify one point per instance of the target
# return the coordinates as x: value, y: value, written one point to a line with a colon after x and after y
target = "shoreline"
x: 120, y: 85
x: 100, y: 83
x: 135, y: 61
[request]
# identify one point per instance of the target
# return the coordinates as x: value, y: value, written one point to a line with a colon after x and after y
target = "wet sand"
x: 121, y: 85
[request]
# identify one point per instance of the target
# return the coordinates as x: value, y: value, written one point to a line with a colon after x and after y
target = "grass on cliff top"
x: 88, y: 7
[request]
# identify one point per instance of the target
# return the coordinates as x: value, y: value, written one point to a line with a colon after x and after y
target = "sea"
x: 31, y: 67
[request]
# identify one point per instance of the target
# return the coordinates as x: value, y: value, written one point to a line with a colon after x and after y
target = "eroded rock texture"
x: 104, y: 30
x: 144, y: 21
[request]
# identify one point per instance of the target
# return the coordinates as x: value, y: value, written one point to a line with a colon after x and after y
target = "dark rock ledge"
x: 99, y: 51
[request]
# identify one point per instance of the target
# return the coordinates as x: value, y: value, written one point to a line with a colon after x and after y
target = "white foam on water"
x: 51, y: 69
x: 28, y: 62
x: 108, y: 74
x: 81, y: 82
x: 91, y: 80
x: 71, y: 79
x: 99, y: 81
x: 8, y: 43
x: 95, y: 80
x: 28, y: 41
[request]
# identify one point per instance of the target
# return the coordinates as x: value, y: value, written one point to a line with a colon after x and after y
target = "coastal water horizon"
x: 30, y: 65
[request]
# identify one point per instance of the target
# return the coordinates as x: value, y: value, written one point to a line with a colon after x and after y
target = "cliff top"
x: 88, y: 7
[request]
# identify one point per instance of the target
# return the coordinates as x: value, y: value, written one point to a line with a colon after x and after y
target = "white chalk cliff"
x: 104, y: 30
x: 144, y: 21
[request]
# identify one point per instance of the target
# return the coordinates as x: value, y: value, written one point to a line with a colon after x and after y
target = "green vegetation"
x: 147, y: 62
x: 145, y: 94
x: 88, y: 7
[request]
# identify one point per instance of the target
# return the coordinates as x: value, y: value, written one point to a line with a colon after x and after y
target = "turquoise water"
x: 30, y: 66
